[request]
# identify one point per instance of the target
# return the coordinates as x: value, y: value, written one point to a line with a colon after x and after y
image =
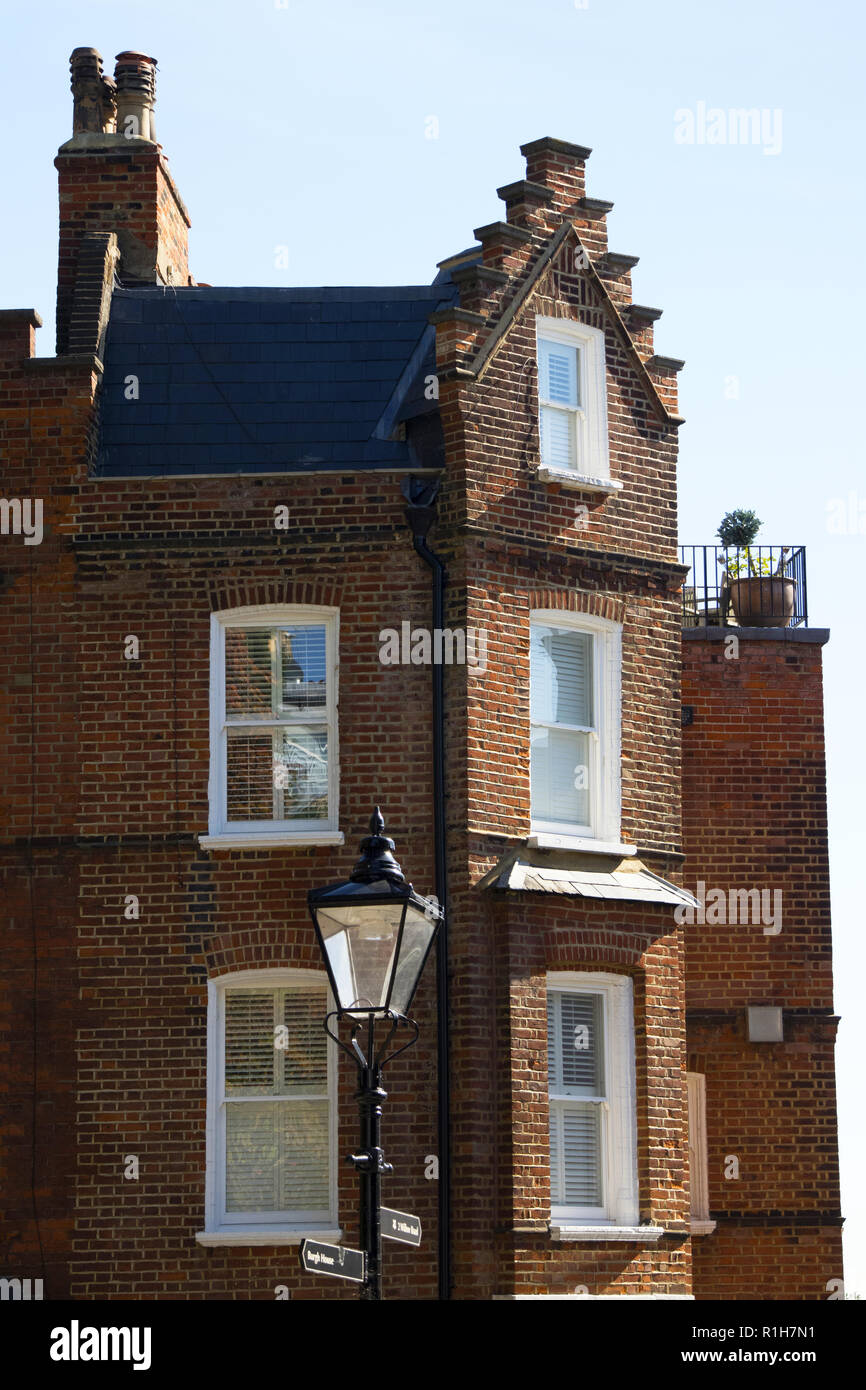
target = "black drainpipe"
x: 420, y: 515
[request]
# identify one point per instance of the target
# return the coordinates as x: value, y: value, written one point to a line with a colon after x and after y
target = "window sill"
x: 252, y: 1235
x: 640, y: 1234
x: 543, y: 840
x: 278, y: 841
x: 580, y: 481
x: 701, y: 1226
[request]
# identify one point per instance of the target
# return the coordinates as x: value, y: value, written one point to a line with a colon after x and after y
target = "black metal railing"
x: 745, y: 586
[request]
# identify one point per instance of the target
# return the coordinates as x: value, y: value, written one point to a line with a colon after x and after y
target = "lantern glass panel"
x: 361, y: 941
x: 417, y: 935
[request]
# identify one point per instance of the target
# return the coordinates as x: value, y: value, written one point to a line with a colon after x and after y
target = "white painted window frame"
x: 699, y: 1185
x: 605, y: 741
x: 592, y: 447
x: 223, y: 833
x: 618, y: 1126
x: 267, y: 1228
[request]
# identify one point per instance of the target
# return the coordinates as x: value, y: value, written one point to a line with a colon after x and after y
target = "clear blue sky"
x: 305, y: 125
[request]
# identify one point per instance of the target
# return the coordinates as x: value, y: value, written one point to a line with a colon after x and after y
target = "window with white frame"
x: 699, y: 1186
x: 590, y: 1054
x: 575, y: 725
x: 273, y: 722
x: 572, y: 398
x: 271, y: 1105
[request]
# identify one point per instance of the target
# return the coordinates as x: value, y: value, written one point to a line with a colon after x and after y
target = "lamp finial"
x: 376, y: 860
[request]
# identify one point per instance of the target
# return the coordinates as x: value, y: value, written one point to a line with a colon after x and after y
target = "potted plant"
x: 761, y: 595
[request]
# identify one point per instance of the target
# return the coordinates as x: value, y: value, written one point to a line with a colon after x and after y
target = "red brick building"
x: 227, y: 516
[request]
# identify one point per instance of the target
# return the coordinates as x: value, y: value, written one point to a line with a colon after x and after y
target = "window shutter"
x: 581, y: 1044
x: 575, y: 1176
x: 302, y: 668
x: 561, y: 676
x: 250, y: 775
x: 277, y: 1155
x: 557, y: 438
x: 249, y: 1064
x: 559, y: 373
x: 575, y: 1050
x: 306, y: 1057
x: 561, y: 692
x: 559, y: 396
x: 249, y: 680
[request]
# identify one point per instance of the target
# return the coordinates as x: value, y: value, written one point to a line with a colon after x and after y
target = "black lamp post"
x: 375, y: 934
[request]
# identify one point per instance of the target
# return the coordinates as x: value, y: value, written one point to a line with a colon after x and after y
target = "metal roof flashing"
x: 570, y: 873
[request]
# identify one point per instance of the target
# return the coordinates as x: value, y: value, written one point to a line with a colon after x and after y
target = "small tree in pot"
x: 761, y: 595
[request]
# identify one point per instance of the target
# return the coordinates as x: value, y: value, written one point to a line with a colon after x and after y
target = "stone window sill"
x: 254, y: 1235
x: 702, y: 1226
x: 561, y: 1231
x: 581, y: 482
x: 544, y: 840
x: 279, y: 841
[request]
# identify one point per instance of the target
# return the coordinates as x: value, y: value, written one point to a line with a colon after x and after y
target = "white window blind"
x: 576, y: 1071
x: 276, y: 723
x: 275, y: 1106
x: 563, y: 734
x: 559, y: 397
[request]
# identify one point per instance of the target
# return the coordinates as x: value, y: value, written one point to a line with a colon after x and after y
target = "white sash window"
x: 271, y: 1105
x: 572, y: 399
x: 274, y: 725
x: 575, y: 725
x: 590, y: 1055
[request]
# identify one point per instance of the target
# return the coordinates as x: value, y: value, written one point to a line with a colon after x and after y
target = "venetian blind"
x: 276, y: 1101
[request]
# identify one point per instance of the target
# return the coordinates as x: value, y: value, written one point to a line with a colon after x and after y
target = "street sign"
x: 336, y: 1260
x: 400, y: 1225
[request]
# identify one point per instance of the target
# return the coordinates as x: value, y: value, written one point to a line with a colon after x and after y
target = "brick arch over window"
x: 597, y: 605
x: 580, y: 951
x: 326, y: 593
x: 259, y: 948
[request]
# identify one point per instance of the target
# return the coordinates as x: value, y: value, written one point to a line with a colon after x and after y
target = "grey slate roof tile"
x: 249, y: 380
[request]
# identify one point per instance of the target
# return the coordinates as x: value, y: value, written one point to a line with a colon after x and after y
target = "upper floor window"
x: 575, y: 719
x: 271, y: 1105
x: 590, y: 1054
x: 572, y: 399
x: 273, y: 722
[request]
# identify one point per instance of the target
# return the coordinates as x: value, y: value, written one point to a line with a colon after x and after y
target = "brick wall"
x: 754, y: 813
x: 45, y: 413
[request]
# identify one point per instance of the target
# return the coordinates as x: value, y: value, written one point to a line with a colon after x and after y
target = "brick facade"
x: 756, y: 750
x: 106, y: 793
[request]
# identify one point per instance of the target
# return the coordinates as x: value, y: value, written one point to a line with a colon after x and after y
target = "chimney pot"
x: 135, y: 74
x: 92, y: 93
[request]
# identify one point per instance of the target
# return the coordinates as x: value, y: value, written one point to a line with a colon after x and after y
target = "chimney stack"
x: 115, y: 178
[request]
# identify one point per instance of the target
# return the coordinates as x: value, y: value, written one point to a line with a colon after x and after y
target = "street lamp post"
x: 375, y: 934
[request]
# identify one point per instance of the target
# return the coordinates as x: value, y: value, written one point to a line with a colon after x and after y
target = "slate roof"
x: 262, y: 380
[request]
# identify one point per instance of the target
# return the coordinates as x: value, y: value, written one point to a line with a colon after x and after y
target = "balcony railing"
x: 738, y: 586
